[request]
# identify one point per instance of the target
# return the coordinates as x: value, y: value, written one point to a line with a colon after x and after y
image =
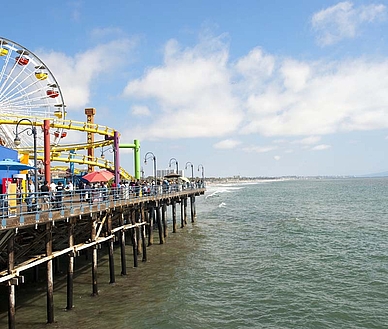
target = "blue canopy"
x: 9, y: 164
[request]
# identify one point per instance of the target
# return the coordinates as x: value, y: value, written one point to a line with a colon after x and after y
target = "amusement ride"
x: 31, y: 96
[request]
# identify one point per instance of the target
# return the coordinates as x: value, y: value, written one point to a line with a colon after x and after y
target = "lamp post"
x: 17, y: 141
x: 203, y: 174
x: 150, y: 155
x: 102, y: 156
x: 192, y: 169
x: 176, y: 163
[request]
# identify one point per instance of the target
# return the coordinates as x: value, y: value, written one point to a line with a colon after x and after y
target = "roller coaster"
x: 29, y: 96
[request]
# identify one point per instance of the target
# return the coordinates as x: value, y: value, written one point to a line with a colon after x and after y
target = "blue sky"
x: 251, y: 88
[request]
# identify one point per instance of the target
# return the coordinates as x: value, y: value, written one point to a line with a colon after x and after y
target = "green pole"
x: 137, y: 159
x: 136, y: 147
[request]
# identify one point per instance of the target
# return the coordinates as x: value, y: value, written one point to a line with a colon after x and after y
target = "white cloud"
x: 193, y: 92
x: 321, y: 147
x: 295, y: 74
x: 277, y: 157
x: 308, y: 140
x: 75, y: 75
x: 255, y: 68
x: 343, y: 21
x: 227, y: 144
x: 259, y: 149
x: 140, y: 110
x: 339, y: 96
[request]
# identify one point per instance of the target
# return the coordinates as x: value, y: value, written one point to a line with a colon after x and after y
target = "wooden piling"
x: 159, y: 224
x: 94, y: 259
x: 134, y: 247
x: 137, y: 229
x: 182, y: 214
x: 70, y: 268
x: 173, y: 206
x: 151, y: 219
x: 122, y: 248
x: 143, y: 239
x: 11, y: 286
x: 50, y: 274
x: 192, y: 208
x: 195, y: 208
x: 111, y: 251
x: 164, y: 220
x: 185, y: 209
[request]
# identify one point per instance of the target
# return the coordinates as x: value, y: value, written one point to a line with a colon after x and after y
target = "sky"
x: 250, y: 88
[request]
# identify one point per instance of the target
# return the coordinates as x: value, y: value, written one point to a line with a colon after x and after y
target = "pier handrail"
x: 15, y: 208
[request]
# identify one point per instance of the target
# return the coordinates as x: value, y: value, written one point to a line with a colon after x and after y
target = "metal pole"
x: 176, y: 162
x: 155, y: 169
x: 47, y: 169
x: 116, y: 158
x: 35, y: 165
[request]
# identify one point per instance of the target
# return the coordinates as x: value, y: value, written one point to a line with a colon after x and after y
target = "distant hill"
x: 381, y: 174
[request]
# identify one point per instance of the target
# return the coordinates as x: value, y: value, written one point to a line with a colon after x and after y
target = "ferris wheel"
x: 28, y: 91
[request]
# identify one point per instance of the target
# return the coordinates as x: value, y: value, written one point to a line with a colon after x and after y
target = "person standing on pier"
x: 30, y: 195
x: 45, y: 189
x: 59, y: 196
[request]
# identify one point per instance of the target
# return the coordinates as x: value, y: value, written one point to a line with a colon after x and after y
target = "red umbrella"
x: 98, y: 176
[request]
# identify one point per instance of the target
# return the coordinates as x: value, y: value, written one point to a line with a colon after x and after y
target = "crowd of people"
x: 52, y: 196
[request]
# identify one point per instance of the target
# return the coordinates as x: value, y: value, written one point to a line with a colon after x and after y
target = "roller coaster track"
x: 84, y: 159
x: 12, y: 119
x: 69, y: 147
x: 58, y: 150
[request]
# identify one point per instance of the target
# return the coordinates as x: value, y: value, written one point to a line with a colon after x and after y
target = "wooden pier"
x: 31, y: 240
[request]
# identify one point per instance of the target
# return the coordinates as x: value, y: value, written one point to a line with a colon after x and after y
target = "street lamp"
x: 176, y: 163
x: 192, y: 169
x: 150, y: 155
x: 203, y: 174
x: 31, y: 131
x: 111, y: 150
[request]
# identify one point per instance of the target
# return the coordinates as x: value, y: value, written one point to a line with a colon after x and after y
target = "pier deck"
x: 32, y: 239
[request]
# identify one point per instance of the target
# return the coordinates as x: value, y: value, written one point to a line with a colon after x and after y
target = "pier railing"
x: 15, y: 209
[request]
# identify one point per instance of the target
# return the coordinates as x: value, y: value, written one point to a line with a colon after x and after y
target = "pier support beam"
x: 159, y: 223
x: 185, y: 209
x: 111, y: 250
x: 173, y: 216
x: 164, y: 220
x: 134, y: 238
x: 122, y: 248
x: 151, y: 219
x: 182, y: 214
x: 11, y: 286
x: 50, y: 275
x: 192, y: 208
x: 137, y: 229
x: 143, y: 239
x: 70, y: 268
x: 134, y: 247
x: 94, y: 259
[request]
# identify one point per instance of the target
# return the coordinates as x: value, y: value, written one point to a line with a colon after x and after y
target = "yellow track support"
x: 68, y: 147
x: 11, y: 119
x: 84, y: 159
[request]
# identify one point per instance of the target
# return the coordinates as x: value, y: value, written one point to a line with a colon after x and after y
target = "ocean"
x: 278, y: 254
